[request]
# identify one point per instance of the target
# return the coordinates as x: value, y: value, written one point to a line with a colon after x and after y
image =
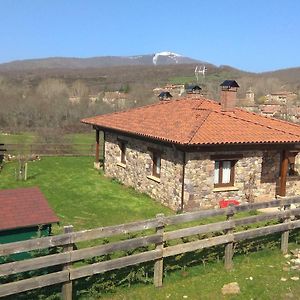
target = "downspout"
x: 183, y: 176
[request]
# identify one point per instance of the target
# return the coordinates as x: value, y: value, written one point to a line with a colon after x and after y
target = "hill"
x: 35, y: 94
x: 160, y: 58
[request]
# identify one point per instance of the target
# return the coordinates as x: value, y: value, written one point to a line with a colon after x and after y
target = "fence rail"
x: 50, y: 149
x: 229, y: 232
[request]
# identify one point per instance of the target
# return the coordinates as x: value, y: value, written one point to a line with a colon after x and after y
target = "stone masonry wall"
x: 256, y: 179
x: 256, y: 174
x: 138, y: 169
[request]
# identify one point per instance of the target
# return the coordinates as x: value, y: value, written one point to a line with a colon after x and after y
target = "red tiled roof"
x: 24, y: 207
x: 198, y: 121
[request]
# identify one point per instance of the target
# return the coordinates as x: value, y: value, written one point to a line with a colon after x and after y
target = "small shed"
x: 24, y: 213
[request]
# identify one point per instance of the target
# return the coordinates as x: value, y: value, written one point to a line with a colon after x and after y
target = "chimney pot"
x: 228, y: 95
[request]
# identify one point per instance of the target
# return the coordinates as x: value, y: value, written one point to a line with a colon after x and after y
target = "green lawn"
x: 206, y: 281
x: 30, y: 137
x: 86, y: 199
x: 22, y: 138
x: 81, y: 196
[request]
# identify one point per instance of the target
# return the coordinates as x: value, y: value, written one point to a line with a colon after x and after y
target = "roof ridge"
x: 135, y: 108
x: 268, y: 118
x: 257, y: 115
x: 256, y: 123
x: 198, y: 126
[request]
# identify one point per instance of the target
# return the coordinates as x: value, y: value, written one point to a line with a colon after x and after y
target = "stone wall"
x: 138, y: 169
x: 256, y: 179
x: 256, y: 174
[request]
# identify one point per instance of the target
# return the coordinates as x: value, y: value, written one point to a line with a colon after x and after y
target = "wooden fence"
x: 51, y: 149
x: 229, y: 231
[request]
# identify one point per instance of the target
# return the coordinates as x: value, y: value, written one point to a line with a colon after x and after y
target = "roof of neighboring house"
x: 24, y: 207
x: 283, y: 93
x: 229, y: 83
x: 198, y: 121
x: 165, y: 94
x: 193, y: 86
x: 273, y: 108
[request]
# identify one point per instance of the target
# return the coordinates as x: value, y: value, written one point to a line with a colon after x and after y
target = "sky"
x: 256, y: 35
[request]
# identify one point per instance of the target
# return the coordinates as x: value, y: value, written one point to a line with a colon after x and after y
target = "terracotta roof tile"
x: 24, y: 207
x: 198, y: 121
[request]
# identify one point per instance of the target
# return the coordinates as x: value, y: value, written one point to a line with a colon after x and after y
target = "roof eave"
x: 29, y: 226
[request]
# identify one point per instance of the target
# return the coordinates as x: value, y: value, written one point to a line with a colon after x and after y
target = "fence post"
x: 285, y: 234
x: 159, y: 263
x: 229, y: 246
x: 67, y: 286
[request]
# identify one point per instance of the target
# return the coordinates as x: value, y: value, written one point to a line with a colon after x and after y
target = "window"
x: 123, y: 152
x: 291, y: 164
x: 224, y: 173
x: 156, y: 164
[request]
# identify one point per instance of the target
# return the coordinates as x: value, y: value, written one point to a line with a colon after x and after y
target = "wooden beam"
x: 229, y: 246
x: 285, y: 234
x: 201, y: 229
x: 113, y: 264
x: 33, y: 283
x: 254, y: 233
x: 196, y: 245
x: 159, y: 263
x: 67, y: 287
x: 283, y: 173
x: 97, y: 146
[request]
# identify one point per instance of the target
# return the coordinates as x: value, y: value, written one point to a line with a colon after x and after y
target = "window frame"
x: 123, y: 148
x: 232, y: 172
x: 156, y: 156
x: 291, y: 171
x: 123, y: 152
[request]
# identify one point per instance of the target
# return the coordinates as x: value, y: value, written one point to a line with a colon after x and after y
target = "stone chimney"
x: 228, y: 95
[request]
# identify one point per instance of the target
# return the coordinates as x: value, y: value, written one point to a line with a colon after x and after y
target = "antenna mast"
x: 200, y: 70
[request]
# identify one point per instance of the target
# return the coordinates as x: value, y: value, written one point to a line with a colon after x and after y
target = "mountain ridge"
x: 160, y: 58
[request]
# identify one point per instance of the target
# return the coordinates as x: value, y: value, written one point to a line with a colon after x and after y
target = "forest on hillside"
x: 38, y: 100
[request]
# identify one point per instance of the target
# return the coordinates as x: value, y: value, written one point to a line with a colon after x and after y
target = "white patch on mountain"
x: 167, y: 54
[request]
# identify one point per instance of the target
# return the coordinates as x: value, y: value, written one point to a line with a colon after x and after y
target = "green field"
x: 31, y: 137
x: 83, y: 197
x: 258, y: 275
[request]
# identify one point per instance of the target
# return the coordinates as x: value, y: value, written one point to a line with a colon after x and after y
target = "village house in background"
x: 116, y: 99
x: 25, y: 214
x: 192, y: 152
x: 280, y: 105
x: 176, y: 90
x: 281, y: 97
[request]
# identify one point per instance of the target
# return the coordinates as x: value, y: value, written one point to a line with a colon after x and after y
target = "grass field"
x: 258, y: 275
x: 80, y: 195
x: 31, y: 137
x: 83, y: 197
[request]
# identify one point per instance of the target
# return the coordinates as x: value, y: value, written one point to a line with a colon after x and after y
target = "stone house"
x: 281, y: 97
x: 192, y: 152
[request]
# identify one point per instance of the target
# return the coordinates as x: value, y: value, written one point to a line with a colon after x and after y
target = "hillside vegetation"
x: 35, y: 100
